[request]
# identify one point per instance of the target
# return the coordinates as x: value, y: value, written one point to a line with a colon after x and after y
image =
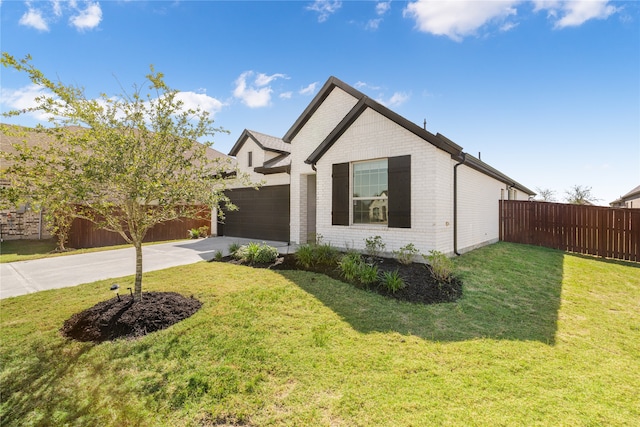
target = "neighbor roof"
x: 266, y: 142
x: 630, y: 195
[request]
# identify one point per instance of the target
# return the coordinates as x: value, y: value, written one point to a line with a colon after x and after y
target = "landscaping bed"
x: 420, y: 285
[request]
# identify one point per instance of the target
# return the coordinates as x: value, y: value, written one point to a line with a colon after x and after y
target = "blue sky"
x: 548, y: 91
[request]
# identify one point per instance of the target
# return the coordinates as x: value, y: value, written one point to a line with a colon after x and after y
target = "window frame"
x: 354, y: 199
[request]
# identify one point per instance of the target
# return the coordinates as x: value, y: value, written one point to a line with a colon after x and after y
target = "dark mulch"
x: 125, y: 318
x: 421, y: 287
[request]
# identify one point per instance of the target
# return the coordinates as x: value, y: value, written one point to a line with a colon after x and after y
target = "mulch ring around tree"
x: 420, y: 285
x: 125, y: 318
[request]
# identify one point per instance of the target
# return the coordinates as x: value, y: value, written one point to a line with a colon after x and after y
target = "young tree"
x: 130, y: 161
x: 546, y: 194
x: 579, y: 195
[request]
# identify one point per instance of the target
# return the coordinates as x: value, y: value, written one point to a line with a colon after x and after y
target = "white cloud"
x: 258, y: 94
x: 373, y: 24
x: 363, y: 85
x: 574, y: 13
x: 286, y: 95
x: 24, y: 98
x: 383, y: 7
x: 263, y: 79
x: 457, y: 19
x: 309, y: 90
x: 86, y: 15
x: 325, y: 8
x: 200, y: 100
x: 397, y: 99
x: 33, y: 18
x: 87, y: 19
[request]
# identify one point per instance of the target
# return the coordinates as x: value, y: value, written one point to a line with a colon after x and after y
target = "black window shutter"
x: 340, y: 194
x: 400, y: 192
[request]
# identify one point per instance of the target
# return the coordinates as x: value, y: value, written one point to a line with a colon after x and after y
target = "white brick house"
x: 358, y: 169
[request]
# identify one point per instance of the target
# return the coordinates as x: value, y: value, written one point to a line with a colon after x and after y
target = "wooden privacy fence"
x: 593, y: 230
x: 84, y: 234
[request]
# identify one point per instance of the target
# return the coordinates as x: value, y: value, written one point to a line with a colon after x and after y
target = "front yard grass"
x: 539, y: 338
x: 30, y: 249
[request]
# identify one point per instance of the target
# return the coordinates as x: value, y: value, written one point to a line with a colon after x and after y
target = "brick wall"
x: 22, y: 224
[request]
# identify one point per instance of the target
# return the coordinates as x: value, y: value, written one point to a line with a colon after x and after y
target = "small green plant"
x: 313, y: 255
x: 356, y: 271
x: 255, y: 253
x: 392, y: 281
x: 305, y: 255
x: 233, y: 248
x: 194, y: 233
x: 350, y: 265
x: 374, y: 245
x: 405, y: 254
x: 441, y: 266
x: 218, y: 256
x: 368, y: 274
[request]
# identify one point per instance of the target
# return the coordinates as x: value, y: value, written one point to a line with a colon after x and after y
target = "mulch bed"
x: 421, y: 287
x: 125, y: 318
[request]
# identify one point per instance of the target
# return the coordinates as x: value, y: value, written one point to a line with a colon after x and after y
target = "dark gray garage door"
x: 262, y: 214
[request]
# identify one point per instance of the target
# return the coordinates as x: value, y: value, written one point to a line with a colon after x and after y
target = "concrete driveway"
x: 24, y: 277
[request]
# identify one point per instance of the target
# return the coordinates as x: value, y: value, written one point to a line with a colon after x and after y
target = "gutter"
x: 455, y: 203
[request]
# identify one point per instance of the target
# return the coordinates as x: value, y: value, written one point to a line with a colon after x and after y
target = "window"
x: 250, y: 159
x: 370, y: 192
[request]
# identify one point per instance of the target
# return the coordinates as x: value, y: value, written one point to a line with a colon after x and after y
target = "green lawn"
x: 539, y: 338
x: 25, y: 250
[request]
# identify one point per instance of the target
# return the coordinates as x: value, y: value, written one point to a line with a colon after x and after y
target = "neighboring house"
x: 630, y: 200
x: 22, y: 222
x: 356, y: 169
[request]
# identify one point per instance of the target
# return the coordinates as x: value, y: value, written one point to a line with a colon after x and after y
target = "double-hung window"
x: 370, y: 192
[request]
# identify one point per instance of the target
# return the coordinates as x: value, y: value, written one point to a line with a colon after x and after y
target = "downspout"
x: 455, y: 203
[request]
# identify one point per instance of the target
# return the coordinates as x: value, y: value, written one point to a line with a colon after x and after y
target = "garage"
x: 262, y: 214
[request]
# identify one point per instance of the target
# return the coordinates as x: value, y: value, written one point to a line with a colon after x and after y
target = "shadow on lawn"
x: 510, y: 292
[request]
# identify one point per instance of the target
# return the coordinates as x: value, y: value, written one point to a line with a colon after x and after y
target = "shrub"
x: 313, y: 255
x: 325, y: 254
x: 374, y: 245
x: 441, y: 266
x: 392, y: 281
x: 355, y: 270
x: 194, y: 233
x: 350, y: 265
x: 255, y: 253
x: 368, y: 274
x: 405, y: 254
x: 305, y: 256
x: 233, y: 248
x: 218, y: 256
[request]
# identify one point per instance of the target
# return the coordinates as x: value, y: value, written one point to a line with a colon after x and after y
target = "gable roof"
x: 630, y: 195
x: 264, y: 141
x: 438, y: 140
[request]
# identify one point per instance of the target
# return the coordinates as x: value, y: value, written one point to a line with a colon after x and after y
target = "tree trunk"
x: 138, y: 285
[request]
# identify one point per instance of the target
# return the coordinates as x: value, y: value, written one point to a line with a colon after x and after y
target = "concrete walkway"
x: 24, y: 277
